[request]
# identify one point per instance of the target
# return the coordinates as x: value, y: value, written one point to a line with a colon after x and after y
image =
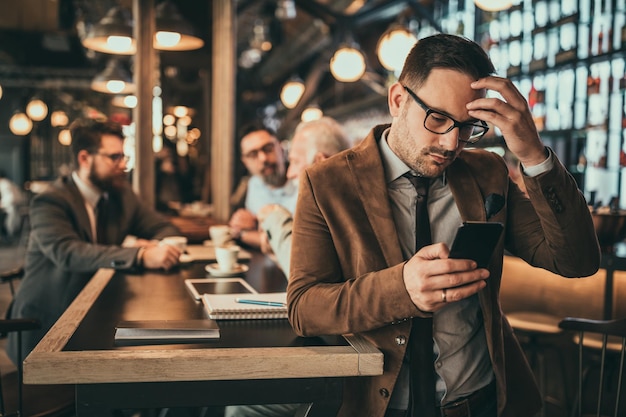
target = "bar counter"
x: 254, y: 361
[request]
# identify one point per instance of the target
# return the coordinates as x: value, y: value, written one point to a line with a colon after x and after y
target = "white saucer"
x: 214, y: 270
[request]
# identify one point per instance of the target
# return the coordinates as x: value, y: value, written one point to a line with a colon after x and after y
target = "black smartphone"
x: 476, y: 241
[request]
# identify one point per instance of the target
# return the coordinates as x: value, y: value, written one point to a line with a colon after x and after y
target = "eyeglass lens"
x: 116, y: 158
x: 440, y: 123
x: 266, y: 149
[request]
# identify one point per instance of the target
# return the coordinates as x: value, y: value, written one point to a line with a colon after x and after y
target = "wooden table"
x: 195, y: 228
x: 253, y: 362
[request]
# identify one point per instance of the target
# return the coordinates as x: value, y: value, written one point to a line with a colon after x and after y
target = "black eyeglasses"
x: 440, y: 123
x: 116, y: 158
x: 266, y: 149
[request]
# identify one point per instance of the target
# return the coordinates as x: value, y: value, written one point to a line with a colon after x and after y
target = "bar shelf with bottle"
x: 567, y: 57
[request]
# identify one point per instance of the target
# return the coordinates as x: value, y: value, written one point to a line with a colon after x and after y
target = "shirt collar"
x: 90, y: 193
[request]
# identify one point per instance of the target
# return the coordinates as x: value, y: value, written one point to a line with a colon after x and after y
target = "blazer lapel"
x: 81, y: 211
x: 366, y: 167
x: 466, y: 192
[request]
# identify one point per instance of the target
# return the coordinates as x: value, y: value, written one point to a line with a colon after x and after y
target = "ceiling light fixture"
x: 113, y: 34
x: 36, y: 109
x: 59, y: 118
x: 394, y: 46
x: 114, y: 79
x: 493, y: 5
x: 124, y: 101
x: 347, y: 64
x: 313, y: 112
x: 65, y: 137
x: 173, y: 32
x: 20, y: 124
x: 291, y: 93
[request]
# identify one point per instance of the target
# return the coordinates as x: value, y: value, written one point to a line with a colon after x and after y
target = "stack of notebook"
x: 166, y: 331
x: 246, y: 306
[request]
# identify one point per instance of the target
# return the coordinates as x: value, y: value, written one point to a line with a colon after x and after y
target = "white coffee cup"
x: 219, y: 234
x: 227, y: 257
x: 179, y: 242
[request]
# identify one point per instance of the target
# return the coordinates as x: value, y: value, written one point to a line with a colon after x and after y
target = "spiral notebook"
x: 246, y: 306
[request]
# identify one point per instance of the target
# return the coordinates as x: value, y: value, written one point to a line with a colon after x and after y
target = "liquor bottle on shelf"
x: 568, y: 8
x: 615, y: 105
x: 596, y: 148
x: 580, y: 105
x: 541, y: 13
x: 540, y: 51
x: 553, y: 121
x: 598, y: 93
x: 565, y: 100
x: 536, y: 101
x: 619, y: 25
x: 567, y: 42
x: 553, y: 46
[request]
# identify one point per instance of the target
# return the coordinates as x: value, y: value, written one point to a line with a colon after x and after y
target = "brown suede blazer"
x: 346, y: 263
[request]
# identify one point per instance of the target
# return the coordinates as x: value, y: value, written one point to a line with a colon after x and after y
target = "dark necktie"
x: 422, y: 388
x: 101, y: 220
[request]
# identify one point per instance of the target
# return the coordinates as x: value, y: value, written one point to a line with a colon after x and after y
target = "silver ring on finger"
x: 444, y: 295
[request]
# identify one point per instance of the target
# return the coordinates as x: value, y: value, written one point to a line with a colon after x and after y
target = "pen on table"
x: 260, y: 302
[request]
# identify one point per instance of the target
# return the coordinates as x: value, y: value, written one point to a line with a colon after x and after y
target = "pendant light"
x: 173, y: 32
x: 312, y: 112
x: 291, y: 92
x: 493, y: 5
x: 65, y: 137
x: 113, y: 34
x: 59, y: 118
x: 20, y: 124
x: 347, y: 64
x: 114, y: 79
x: 36, y: 109
x: 394, y: 46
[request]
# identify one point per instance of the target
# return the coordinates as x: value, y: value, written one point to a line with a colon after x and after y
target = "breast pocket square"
x: 493, y: 204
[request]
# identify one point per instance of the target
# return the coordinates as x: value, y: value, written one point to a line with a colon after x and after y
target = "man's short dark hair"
x: 254, y: 126
x: 87, y: 134
x: 444, y: 51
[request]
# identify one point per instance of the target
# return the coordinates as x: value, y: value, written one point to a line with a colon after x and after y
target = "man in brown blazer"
x: 355, y: 267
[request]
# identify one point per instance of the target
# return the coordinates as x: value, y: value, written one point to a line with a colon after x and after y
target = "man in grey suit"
x: 78, y: 225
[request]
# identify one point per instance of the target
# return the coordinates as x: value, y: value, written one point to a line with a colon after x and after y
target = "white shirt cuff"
x: 545, y: 166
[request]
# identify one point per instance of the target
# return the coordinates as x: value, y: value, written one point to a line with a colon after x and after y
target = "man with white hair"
x: 313, y: 141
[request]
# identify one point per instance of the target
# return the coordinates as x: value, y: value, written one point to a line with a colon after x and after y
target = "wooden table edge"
x: 48, y: 363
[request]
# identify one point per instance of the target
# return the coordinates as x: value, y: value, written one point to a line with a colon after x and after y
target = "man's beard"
x: 276, y: 178
x: 111, y: 183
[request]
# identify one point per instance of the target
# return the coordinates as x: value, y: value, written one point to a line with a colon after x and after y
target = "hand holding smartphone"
x: 476, y: 241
